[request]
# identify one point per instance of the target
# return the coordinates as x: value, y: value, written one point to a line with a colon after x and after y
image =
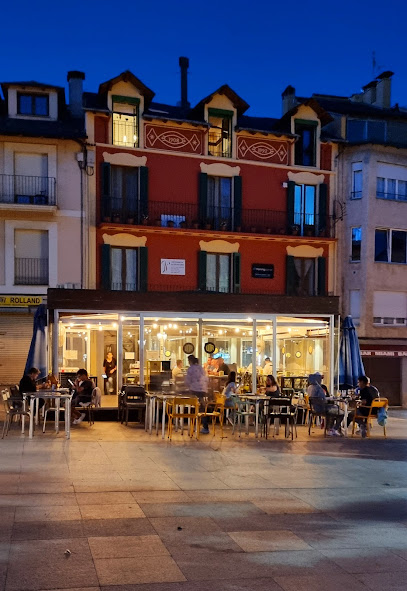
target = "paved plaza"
x: 115, y: 509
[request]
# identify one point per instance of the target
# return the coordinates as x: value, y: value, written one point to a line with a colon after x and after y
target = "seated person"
x: 367, y: 394
x: 177, y: 370
x: 334, y: 415
x: 210, y: 366
x: 272, y: 388
x: 230, y: 389
x: 83, y: 394
x: 222, y: 366
x: 28, y: 383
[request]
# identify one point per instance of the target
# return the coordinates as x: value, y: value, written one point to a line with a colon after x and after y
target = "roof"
x: 68, y: 128
x: 128, y: 76
x: 344, y: 106
x: 262, y: 125
x: 322, y: 113
x: 240, y: 105
x: 32, y: 84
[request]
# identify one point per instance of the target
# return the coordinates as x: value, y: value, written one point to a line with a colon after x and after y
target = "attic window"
x: 220, y: 133
x: 305, y: 146
x: 36, y: 105
x: 125, y: 121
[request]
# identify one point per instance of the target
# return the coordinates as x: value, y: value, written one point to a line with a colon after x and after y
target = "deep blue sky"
x: 257, y: 46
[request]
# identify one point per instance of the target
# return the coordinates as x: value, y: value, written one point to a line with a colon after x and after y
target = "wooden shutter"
x: 290, y: 203
x: 322, y: 208
x: 106, y: 280
x: 202, y: 270
x: 106, y: 190
x: 291, y: 276
x: 321, y: 276
x: 143, y: 268
x: 236, y: 272
x: 203, y: 196
x: 143, y: 198
x: 237, y: 202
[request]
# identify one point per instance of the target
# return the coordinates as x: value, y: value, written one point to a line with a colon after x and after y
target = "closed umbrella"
x: 350, y: 359
x: 37, y: 355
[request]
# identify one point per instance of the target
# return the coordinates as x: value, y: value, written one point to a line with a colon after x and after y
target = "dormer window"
x: 220, y: 133
x: 34, y: 105
x: 125, y: 121
x: 305, y: 146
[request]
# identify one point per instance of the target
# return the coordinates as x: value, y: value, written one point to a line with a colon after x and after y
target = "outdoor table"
x: 57, y: 395
x: 152, y: 411
x: 256, y: 399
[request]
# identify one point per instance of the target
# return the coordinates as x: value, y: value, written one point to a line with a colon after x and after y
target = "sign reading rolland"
x: 260, y: 271
x: 19, y: 301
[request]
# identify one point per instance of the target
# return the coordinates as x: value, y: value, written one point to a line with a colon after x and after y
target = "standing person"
x: 272, y: 388
x: 196, y: 381
x: 109, y: 369
x: 268, y: 367
x: 83, y: 393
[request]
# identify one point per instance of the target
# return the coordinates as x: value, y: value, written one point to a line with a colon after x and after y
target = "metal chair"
x: 134, y: 398
x: 240, y: 412
x: 11, y: 412
x: 282, y: 409
x: 217, y: 412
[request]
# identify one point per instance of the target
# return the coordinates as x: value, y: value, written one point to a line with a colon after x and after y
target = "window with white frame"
x: 357, y: 180
x: 33, y: 104
x: 390, y: 246
x: 218, y: 272
x: 124, y: 268
x: 354, y: 304
x: 31, y: 257
x: 390, y: 308
x: 392, y: 189
x: 356, y: 244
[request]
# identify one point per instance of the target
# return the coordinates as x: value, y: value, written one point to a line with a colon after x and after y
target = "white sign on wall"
x: 172, y: 266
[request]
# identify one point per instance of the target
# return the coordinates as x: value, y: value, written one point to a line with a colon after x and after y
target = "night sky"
x: 257, y: 47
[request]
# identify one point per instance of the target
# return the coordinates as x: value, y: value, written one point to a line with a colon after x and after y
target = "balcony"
x: 27, y: 190
x: 30, y: 271
x: 224, y: 219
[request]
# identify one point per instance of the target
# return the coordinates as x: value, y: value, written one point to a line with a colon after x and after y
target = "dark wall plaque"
x: 260, y: 271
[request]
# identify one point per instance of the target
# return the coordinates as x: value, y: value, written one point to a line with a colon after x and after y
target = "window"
x: 357, y: 180
x: 30, y: 182
x: 304, y: 209
x: 218, y: 272
x: 33, y: 104
x: 390, y: 308
x: 306, y: 276
x: 31, y: 257
x: 360, y: 130
x: 219, y: 201
x: 356, y: 244
x: 390, y: 246
x: 393, y: 189
x: 125, y: 191
x: 220, y: 133
x: 125, y: 121
x: 124, y: 269
x: 354, y: 305
x: 305, y: 146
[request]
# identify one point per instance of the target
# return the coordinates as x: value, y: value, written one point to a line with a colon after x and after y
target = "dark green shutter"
x: 106, y: 283
x: 106, y: 190
x: 236, y: 272
x: 203, y: 196
x: 322, y: 208
x: 143, y: 268
x: 237, y: 202
x: 290, y: 203
x: 321, y: 276
x: 202, y: 270
x: 291, y: 276
x: 143, y: 191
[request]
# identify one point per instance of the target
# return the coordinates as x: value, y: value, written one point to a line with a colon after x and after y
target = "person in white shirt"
x: 177, y: 370
x: 268, y: 367
x: 196, y: 381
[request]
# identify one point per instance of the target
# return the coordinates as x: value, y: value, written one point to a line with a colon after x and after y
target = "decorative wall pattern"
x: 263, y: 150
x: 174, y: 138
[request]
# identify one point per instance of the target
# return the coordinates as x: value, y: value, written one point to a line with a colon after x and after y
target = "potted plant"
x: 269, y: 231
x: 223, y: 226
x: 295, y: 230
x: 183, y: 224
x: 145, y: 220
x: 253, y: 229
x: 170, y: 223
x: 195, y: 224
x: 116, y: 217
x: 157, y: 222
x: 208, y: 225
x: 107, y: 218
x: 130, y: 218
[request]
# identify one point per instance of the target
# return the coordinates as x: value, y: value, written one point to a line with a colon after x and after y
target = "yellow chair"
x: 218, y: 411
x: 376, y: 403
x: 179, y: 402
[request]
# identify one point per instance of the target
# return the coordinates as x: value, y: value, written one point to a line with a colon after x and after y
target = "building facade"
x: 42, y: 142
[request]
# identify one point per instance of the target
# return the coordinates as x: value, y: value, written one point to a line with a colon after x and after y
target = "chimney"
x: 383, y: 90
x: 369, y: 93
x: 289, y: 100
x: 75, y: 81
x: 184, y: 65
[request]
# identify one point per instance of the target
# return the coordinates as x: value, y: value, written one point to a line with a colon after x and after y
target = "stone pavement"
x: 141, y: 514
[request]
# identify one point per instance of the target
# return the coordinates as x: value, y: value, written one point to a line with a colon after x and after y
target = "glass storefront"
x: 290, y: 347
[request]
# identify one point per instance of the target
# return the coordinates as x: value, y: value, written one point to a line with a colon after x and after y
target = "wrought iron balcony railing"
x: 27, y: 190
x: 31, y: 271
x: 226, y: 219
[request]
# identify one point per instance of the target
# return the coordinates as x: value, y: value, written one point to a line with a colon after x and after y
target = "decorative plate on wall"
x: 188, y: 348
x: 167, y: 353
x: 210, y: 348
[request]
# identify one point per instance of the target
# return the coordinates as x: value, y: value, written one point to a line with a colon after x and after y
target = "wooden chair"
x: 376, y: 404
x: 217, y: 411
x: 175, y: 412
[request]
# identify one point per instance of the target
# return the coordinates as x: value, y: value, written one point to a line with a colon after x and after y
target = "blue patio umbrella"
x: 37, y: 355
x: 350, y: 359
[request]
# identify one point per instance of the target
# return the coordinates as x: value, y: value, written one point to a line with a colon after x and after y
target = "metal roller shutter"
x: 15, y: 338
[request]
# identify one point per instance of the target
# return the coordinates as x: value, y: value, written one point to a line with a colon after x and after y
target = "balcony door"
x: 220, y: 202
x: 31, y: 257
x: 31, y: 178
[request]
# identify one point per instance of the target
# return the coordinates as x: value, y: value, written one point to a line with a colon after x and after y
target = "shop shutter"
x: 321, y: 276
x: 143, y: 191
x: 143, y: 264
x: 291, y: 276
x: 322, y: 208
x: 237, y: 202
x: 105, y: 279
x: 106, y: 190
x: 290, y: 203
x: 202, y: 270
x: 15, y: 338
x: 236, y: 272
x: 203, y: 196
